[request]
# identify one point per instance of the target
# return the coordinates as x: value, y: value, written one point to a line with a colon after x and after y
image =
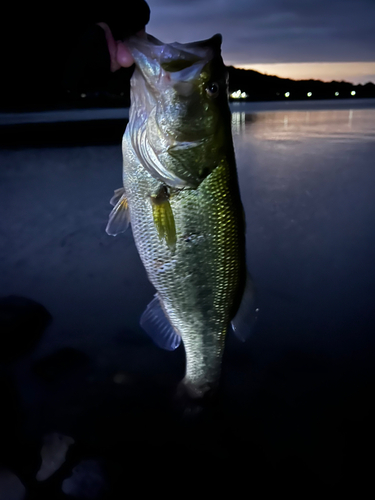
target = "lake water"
x: 308, y: 182
x: 307, y: 179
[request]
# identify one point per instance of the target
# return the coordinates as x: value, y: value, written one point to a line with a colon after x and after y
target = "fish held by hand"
x: 182, y: 198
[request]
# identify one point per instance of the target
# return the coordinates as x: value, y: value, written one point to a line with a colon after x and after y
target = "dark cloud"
x: 273, y: 30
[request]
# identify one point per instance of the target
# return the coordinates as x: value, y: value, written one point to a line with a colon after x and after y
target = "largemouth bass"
x: 182, y: 198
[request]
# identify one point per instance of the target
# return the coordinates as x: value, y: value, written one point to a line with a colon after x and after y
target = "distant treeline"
x: 114, y: 91
x: 257, y: 86
x: 260, y: 87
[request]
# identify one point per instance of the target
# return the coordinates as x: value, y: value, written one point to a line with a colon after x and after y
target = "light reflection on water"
x: 341, y: 125
x: 238, y: 122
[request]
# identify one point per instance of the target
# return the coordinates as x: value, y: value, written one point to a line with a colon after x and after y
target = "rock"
x: 11, y: 487
x: 60, y: 363
x: 87, y: 481
x: 53, y: 454
x: 22, y: 323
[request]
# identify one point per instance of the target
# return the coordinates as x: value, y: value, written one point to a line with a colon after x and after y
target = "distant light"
x: 309, y: 94
x: 83, y: 95
x: 352, y: 92
x: 238, y: 95
x: 287, y: 94
x: 336, y: 94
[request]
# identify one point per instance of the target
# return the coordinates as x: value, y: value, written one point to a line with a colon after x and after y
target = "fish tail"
x: 203, y: 365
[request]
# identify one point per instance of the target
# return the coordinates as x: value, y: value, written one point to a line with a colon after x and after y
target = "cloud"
x: 270, y: 31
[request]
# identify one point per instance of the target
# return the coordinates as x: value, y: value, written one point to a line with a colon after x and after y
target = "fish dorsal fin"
x: 164, y: 219
x: 243, y: 322
x: 157, y: 326
x: 119, y: 218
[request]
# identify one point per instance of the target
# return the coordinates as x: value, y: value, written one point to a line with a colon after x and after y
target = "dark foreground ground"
x: 295, y: 411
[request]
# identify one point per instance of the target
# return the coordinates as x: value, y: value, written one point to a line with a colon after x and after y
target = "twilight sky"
x: 321, y: 39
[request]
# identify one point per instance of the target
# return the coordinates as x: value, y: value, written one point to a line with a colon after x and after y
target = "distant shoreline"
x: 95, y: 114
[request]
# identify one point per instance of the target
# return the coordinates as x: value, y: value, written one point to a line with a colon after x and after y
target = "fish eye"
x: 212, y: 89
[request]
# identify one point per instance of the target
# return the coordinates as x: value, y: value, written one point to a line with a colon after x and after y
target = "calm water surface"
x: 307, y: 178
x: 308, y: 181
x: 300, y: 388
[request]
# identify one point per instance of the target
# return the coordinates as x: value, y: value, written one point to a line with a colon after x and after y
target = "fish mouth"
x: 151, y: 55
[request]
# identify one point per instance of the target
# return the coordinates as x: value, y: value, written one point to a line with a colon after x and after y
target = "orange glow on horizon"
x: 354, y: 72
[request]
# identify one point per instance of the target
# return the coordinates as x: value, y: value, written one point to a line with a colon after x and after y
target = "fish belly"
x: 198, y: 282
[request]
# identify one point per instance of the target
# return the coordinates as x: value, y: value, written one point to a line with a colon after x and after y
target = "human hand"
x: 119, y: 53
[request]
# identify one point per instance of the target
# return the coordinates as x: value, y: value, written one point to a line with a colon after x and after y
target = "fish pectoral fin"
x: 119, y: 218
x: 164, y: 220
x: 158, y: 327
x: 116, y: 196
x: 244, y: 320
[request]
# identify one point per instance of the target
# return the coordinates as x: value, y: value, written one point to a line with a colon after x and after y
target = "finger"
x: 123, y: 56
x: 112, y: 46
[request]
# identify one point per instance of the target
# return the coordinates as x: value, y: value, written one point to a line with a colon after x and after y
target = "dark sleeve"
x: 46, y: 51
x: 126, y: 18
x: 87, y: 67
